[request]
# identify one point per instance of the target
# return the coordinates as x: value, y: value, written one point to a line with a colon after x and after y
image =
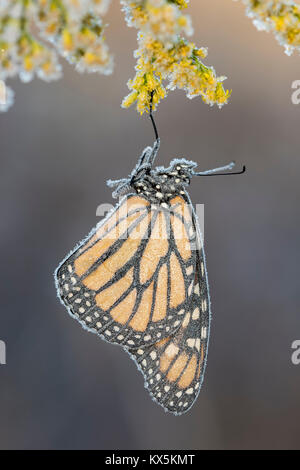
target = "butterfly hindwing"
x: 174, y: 367
x: 131, y: 280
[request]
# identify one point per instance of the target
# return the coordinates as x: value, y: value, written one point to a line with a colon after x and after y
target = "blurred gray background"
x: 63, y: 388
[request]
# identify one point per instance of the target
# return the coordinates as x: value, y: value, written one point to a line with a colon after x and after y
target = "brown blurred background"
x: 63, y: 388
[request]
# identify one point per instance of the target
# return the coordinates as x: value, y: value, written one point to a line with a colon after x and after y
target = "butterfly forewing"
x: 174, y: 367
x: 131, y: 280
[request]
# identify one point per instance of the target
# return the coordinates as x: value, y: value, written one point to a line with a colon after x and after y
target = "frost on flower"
x: 280, y: 17
x: 33, y: 33
x: 165, y: 59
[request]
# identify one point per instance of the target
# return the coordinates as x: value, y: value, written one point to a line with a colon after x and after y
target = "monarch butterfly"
x: 139, y: 280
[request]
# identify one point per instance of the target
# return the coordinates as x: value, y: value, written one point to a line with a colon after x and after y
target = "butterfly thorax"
x: 162, y: 184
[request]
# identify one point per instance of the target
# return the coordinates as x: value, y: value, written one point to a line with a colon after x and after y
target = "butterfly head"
x: 160, y: 184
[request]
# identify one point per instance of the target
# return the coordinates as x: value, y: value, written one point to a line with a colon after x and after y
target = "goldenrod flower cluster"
x: 165, y: 59
x: 280, y: 17
x: 34, y: 32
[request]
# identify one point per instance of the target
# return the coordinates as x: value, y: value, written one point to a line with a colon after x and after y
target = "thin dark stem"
x: 151, y: 116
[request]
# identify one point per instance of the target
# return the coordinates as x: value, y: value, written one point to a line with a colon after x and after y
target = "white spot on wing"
x: 204, y: 333
x: 191, y: 342
x: 196, y: 314
x: 186, y: 320
x: 171, y: 350
x: 202, y: 269
x: 189, y: 270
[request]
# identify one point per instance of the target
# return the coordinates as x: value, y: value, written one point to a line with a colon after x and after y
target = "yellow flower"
x: 280, y: 17
x: 73, y: 29
x: 28, y: 63
x: 67, y: 40
x: 165, y: 56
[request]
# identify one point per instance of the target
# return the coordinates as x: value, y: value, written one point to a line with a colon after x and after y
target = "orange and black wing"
x: 131, y: 279
x: 174, y: 367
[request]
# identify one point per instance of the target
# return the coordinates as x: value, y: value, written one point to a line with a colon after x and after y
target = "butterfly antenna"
x: 220, y: 171
x: 151, y: 116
